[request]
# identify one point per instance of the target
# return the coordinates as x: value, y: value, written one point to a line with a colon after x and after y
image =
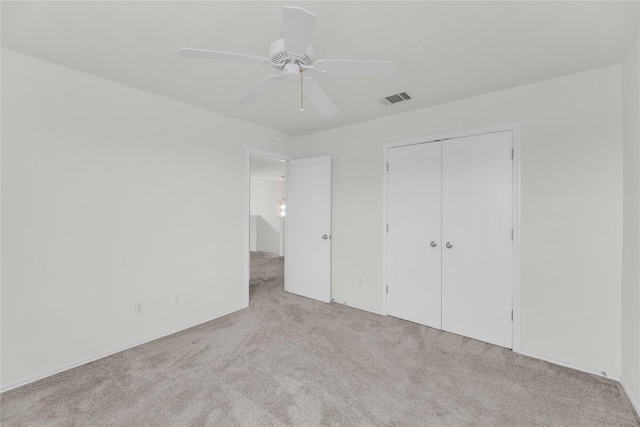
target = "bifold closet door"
x: 477, y: 241
x: 413, y: 238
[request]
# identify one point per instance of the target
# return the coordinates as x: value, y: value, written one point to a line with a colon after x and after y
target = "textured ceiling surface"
x: 444, y: 50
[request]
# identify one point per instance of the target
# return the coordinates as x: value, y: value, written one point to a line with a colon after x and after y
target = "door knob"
x: 433, y: 244
x: 449, y: 245
x: 325, y: 237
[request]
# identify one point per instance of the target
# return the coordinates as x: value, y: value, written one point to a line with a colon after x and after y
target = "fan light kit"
x: 281, y: 207
x: 292, y: 56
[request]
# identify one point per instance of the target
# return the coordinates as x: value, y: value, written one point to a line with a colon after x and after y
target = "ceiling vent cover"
x: 398, y: 97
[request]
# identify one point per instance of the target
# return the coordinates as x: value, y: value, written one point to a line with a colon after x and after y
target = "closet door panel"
x: 477, y: 223
x: 414, y: 218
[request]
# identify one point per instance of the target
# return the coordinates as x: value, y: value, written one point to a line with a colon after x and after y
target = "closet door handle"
x: 449, y: 245
x: 433, y: 244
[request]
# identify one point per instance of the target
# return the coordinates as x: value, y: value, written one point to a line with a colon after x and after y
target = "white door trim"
x: 247, y: 200
x: 515, y: 130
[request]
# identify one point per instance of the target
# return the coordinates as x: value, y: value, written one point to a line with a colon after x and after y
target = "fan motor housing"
x: 279, y: 57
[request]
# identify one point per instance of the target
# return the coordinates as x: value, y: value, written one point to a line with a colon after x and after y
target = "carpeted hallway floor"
x: 287, y: 360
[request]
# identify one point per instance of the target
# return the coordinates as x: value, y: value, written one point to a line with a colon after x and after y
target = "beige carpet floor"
x: 288, y: 360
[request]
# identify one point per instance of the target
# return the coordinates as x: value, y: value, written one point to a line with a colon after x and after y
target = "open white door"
x: 308, y: 228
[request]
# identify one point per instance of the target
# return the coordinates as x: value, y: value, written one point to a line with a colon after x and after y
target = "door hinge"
x: 512, y: 234
x: 387, y: 166
x: 387, y: 288
x: 512, y: 315
x: 512, y: 153
x: 387, y: 228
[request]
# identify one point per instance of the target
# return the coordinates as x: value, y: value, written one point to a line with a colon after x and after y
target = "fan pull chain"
x: 301, y: 92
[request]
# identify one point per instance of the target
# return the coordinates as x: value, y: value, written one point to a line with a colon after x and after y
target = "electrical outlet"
x: 176, y: 299
x: 139, y: 307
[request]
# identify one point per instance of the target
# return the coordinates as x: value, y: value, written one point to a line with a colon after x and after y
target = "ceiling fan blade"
x: 299, y: 24
x: 221, y: 56
x: 319, y: 98
x: 346, y: 66
x: 259, y: 91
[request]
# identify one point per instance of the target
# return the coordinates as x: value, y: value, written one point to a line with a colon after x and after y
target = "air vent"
x: 398, y: 97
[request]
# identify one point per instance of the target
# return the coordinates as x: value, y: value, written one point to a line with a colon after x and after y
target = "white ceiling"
x: 444, y: 50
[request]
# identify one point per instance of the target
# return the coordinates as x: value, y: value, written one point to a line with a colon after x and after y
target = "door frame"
x: 515, y: 134
x: 247, y: 211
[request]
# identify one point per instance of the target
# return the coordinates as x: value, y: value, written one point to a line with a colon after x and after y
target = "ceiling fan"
x: 293, y: 56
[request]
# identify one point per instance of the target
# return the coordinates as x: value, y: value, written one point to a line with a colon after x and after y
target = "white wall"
x: 110, y: 196
x: 264, y: 238
x: 631, y: 226
x: 265, y: 195
x: 253, y: 233
x: 571, y: 207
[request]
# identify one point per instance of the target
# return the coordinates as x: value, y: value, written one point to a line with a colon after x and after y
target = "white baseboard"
x: 103, y: 355
x: 634, y: 402
x: 567, y: 364
x: 632, y: 398
x: 356, y: 306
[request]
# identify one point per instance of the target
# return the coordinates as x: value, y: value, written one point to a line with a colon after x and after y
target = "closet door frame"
x: 514, y: 128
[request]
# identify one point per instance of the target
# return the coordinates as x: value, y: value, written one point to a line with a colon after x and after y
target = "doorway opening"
x: 267, y: 215
x: 305, y: 232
